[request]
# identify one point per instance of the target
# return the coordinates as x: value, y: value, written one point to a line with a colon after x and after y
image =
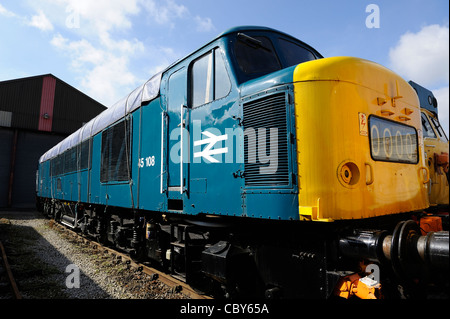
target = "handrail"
x: 182, y: 147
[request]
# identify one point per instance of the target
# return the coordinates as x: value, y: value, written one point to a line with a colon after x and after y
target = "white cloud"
x: 100, y: 15
x: 95, y: 38
x: 204, y: 24
x: 168, y: 12
x: 38, y: 20
x: 105, y: 71
x: 41, y: 22
x: 81, y: 52
x: 102, y: 57
x: 123, y: 46
x: 105, y: 80
x: 99, y: 56
x: 5, y: 12
x: 164, y: 13
x: 424, y: 56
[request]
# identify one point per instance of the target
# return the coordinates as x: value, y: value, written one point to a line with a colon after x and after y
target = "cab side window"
x: 439, y: 129
x: 209, y: 79
x: 427, y: 129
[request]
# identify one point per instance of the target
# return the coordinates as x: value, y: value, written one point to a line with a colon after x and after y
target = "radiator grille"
x: 266, y: 115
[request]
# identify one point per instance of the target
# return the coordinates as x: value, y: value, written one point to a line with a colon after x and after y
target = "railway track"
x: 171, y: 282
x: 6, y: 275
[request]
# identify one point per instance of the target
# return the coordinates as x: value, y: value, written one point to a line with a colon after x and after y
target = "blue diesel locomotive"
x: 256, y: 167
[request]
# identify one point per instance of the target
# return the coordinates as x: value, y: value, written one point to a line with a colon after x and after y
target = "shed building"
x: 36, y: 113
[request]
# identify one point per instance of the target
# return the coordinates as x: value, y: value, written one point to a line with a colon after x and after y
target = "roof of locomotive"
x: 252, y: 28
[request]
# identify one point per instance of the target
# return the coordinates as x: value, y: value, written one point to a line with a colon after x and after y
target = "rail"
x: 166, y: 279
x: 12, y: 282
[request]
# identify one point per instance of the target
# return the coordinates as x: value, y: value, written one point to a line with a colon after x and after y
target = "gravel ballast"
x: 47, y: 264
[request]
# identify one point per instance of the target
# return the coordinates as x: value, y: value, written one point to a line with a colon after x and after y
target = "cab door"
x: 177, y: 156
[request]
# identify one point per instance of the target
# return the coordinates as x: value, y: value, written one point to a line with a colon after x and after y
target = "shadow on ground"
x: 38, y: 267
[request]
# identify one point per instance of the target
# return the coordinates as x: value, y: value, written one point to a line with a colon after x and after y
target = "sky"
x: 107, y: 48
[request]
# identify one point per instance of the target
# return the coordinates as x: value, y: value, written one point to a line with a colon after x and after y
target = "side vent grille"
x: 265, y: 141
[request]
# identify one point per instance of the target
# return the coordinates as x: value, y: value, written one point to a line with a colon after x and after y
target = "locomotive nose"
x: 370, y: 152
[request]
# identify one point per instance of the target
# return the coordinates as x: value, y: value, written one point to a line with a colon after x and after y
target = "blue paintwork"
x: 44, y: 185
x: 209, y: 188
x: 97, y: 191
x: 148, y: 178
x: 83, y: 186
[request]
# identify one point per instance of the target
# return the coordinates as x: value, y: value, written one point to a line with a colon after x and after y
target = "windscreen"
x: 392, y: 141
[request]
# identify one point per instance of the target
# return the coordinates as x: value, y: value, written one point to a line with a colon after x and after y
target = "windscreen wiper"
x: 252, y: 42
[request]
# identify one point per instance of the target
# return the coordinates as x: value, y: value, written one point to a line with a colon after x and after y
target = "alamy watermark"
x: 212, y: 146
x: 73, y: 279
x: 73, y: 18
x: 373, y: 19
x: 374, y: 272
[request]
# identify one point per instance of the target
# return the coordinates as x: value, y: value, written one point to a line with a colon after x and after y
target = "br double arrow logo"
x: 207, y: 152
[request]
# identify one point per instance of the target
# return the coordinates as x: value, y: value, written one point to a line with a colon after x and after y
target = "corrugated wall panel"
x: 72, y: 108
x: 6, y: 138
x: 30, y: 146
x: 22, y: 97
x: 47, y: 101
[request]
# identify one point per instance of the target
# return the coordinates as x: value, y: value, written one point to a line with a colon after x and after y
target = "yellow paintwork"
x: 338, y: 179
x: 439, y: 191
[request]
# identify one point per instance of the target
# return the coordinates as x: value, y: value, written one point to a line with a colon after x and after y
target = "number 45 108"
x: 146, y: 161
